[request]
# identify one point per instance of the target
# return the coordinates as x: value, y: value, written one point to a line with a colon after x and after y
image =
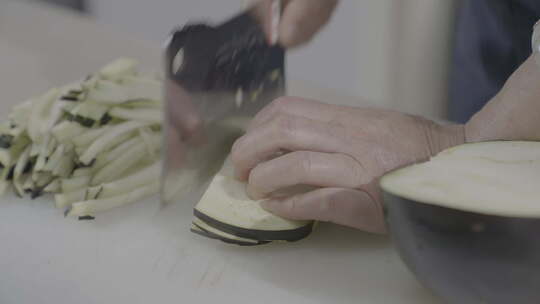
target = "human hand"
x: 341, y: 150
x: 183, y: 124
x: 300, y: 19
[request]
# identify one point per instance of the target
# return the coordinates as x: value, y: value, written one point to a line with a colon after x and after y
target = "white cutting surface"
x: 139, y: 254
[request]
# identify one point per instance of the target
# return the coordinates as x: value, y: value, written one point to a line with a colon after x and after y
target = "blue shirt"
x: 493, y: 38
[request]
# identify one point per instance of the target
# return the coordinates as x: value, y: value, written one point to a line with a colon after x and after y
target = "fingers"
x: 174, y: 148
x: 262, y: 11
x: 301, y: 19
x: 290, y: 133
x: 349, y: 207
x: 334, y: 114
x: 181, y: 112
x: 305, y: 168
x: 300, y: 107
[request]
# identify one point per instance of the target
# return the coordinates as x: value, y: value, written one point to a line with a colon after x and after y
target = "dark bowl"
x: 467, y: 257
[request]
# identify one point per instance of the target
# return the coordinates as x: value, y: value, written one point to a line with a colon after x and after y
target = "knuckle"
x: 279, y: 104
x: 329, y: 206
x: 284, y: 126
x: 305, y: 161
x: 256, y: 176
x: 355, y: 171
x: 236, y: 155
x: 291, y: 208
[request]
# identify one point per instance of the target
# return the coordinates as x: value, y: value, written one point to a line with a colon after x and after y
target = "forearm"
x: 514, y: 113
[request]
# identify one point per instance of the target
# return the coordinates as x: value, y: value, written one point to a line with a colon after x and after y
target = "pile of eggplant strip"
x: 94, y: 144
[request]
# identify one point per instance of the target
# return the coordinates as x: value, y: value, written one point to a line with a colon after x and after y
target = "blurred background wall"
x: 73, y: 4
x: 392, y: 52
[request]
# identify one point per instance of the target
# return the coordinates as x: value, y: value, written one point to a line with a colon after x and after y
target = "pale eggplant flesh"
x: 465, y: 245
x: 467, y: 257
x: 291, y: 235
x: 229, y: 215
x: 201, y: 228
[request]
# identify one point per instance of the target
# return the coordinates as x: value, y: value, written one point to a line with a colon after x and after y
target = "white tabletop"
x: 139, y: 254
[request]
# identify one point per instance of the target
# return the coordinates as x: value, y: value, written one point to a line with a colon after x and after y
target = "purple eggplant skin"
x: 466, y: 257
x: 257, y: 235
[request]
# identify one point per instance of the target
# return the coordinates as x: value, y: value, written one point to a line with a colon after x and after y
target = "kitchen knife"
x: 217, y: 78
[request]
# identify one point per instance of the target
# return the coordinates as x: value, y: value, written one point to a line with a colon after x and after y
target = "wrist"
x: 450, y: 136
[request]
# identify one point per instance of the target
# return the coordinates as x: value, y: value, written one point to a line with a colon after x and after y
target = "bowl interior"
x: 467, y: 257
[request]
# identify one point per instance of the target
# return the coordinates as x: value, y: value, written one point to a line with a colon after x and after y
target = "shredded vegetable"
x: 94, y: 144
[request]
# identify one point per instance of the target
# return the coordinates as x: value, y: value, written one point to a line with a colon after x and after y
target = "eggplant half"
x: 226, y: 213
x: 467, y: 222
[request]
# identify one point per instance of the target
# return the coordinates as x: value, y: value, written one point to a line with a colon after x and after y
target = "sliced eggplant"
x: 466, y: 222
x: 28, y: 186
x: 6, y: 141
x: 56, y: 142
x: 64, y: 167
x: 81, y: 120
x: 494, y: 178
x: 201, y: 228
x: 105, y: 158
x: 40, y: 114
x: 10, y: 155
x: 65, y: 199
x: 22, y: 163
x: 4, y: 187
x: 226, y: 207
x: 93, y: 193
x: 117, y: 167
x: 75, y: 183
x: 90, y: 136
x: 47, y: 146
x: 67, y: 130
x: 44, y: 179
x: 150, y: 104
x: 119, y: 69
x: 18, y: 178
x: 53, y: 187
x: 20, y: 114
x: 82, y: 172
x: 89, y: 112
x: 143, y: 177
x: 18, y: 184
x: 10, y: 173
x: 92, y: 207
x: 153, y: 116
x: 108, y: 92
x: 86, y: 218
x: 291, y: 235
x: 108, y: 139
x: 105, y: 119
x: 146, y: 135
x: 120, y: 165
x: 55, y: 158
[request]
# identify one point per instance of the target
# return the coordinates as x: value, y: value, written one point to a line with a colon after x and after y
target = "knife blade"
x: 217, y: 78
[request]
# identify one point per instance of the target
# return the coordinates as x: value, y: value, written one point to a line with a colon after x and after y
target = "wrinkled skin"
x: 345, y: 150
x: 300, y: 19
x: 342, y: 150
x: 513, y: 114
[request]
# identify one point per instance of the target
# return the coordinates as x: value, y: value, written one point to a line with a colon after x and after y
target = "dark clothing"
x: 493, y: 38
